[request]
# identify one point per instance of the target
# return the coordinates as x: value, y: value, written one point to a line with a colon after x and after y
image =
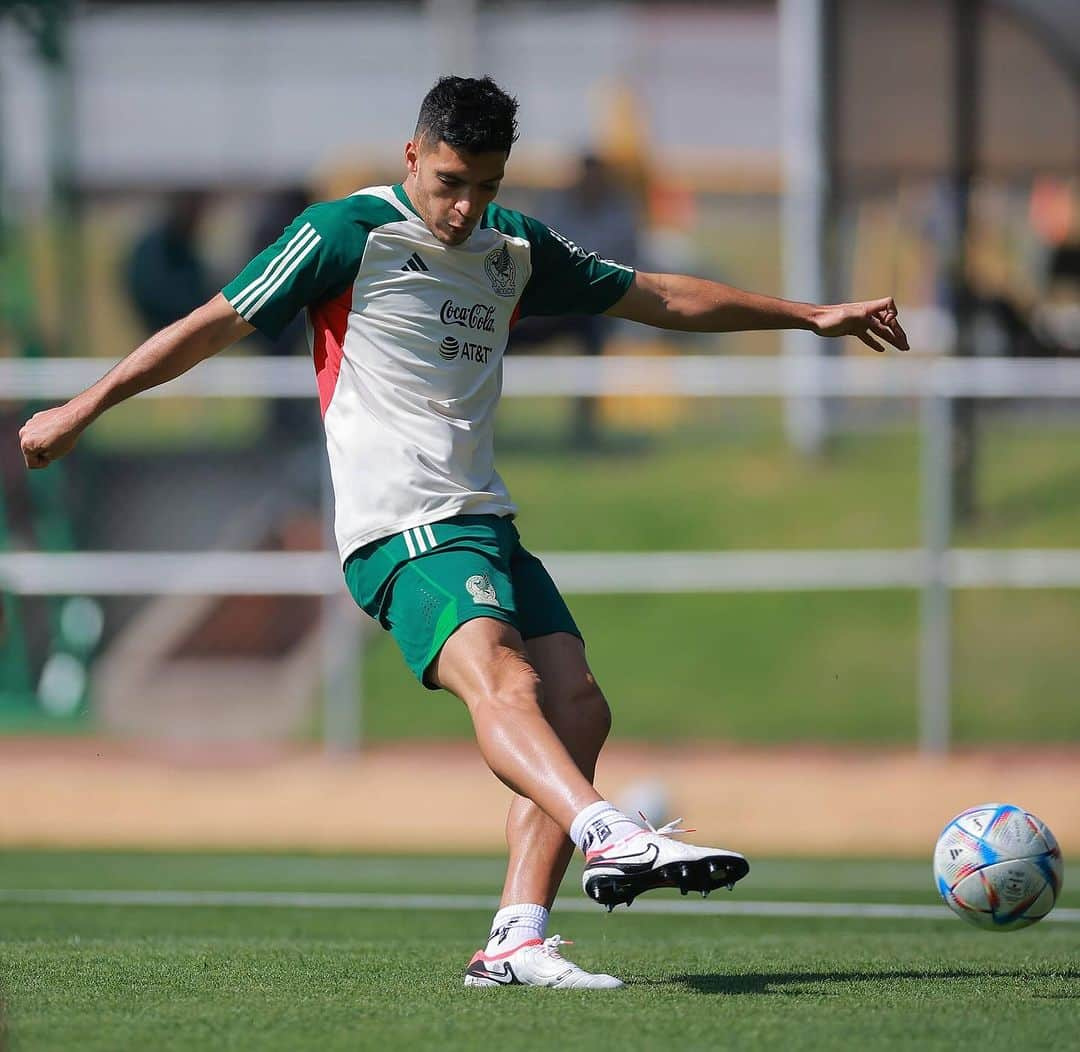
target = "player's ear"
x: 412, y: 152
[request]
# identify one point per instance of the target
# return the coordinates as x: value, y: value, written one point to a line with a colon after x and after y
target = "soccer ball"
x: 998, y: 866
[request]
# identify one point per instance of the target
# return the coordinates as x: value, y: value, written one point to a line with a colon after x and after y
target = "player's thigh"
x: 573, y: 702
x: 424, y: 596
x: 485, y: 660
x: 559, y: 659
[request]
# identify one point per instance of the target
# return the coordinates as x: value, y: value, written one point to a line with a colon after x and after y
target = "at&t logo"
x: 450, y: 348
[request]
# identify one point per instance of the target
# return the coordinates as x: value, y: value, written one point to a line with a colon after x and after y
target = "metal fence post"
x: 803, y: 73
x: 935, y: 643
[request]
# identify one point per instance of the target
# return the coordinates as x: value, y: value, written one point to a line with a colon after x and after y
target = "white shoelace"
x: 668, y: 829
x: 552, y: 944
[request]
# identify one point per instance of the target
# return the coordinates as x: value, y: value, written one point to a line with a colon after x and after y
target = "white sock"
x: 514, y: 925
x: 600, y: 824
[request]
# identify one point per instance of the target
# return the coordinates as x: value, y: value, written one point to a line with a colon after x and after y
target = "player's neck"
x: 408, y: 186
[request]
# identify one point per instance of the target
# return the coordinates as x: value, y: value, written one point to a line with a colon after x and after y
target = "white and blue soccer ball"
x: 998, y: 866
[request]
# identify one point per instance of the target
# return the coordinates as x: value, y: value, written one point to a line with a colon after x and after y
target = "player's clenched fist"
x: 49, y: 435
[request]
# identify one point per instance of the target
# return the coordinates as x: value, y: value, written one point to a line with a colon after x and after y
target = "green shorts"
x: 423, y: 583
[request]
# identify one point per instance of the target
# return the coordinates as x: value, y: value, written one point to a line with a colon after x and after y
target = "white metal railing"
x: 934, y: 568
x: 865, y: 376
x: 576, y: 573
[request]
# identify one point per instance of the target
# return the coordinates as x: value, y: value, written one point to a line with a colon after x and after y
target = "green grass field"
x: 125, y: 976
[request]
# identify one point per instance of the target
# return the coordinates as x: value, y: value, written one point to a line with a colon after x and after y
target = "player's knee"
x: 589, y: 709
x: 599, y: 714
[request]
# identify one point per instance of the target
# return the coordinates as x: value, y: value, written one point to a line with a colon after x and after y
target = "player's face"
x: 451, y: 189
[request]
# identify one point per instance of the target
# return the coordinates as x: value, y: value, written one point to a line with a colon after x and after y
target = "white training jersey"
x: 407, y: 336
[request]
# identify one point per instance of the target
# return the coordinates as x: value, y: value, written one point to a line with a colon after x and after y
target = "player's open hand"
x: 875, y: 318
x: 49, y: 435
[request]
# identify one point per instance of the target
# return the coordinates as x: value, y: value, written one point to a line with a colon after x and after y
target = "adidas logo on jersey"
x: 414, y: 262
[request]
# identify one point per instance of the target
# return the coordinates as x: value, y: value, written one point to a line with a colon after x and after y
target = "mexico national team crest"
x: 501, y: 271
x: 479, y: 586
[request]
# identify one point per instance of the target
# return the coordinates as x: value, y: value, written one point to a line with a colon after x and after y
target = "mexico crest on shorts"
x: 479, y: 586
x: 501, y: 270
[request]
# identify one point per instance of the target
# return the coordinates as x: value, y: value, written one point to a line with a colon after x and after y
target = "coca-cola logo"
x: 474, y: 316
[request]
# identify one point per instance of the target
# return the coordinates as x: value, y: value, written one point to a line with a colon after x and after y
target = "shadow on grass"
x: 777, y: 982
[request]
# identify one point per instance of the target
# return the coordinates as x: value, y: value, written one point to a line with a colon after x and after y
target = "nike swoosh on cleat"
x: 504, y: 978
x: 625, y: 862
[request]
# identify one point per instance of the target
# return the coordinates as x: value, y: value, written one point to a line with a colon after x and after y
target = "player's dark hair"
x: 468, y: 113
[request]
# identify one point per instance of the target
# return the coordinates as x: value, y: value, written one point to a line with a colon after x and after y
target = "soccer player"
x: 410, y: 292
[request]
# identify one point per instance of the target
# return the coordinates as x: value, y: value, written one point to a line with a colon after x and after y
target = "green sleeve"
x: 317, y: 257
x: 568, y: 280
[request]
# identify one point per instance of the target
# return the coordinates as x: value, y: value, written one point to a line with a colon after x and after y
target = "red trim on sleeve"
x: 329, y: 321
x: 516, y: 316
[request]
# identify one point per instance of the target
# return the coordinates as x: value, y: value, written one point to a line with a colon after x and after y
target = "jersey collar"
x: 399, y: 193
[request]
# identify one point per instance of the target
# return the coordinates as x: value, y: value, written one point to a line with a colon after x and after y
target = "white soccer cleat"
x: 650, y: 859
x: 536, y: 962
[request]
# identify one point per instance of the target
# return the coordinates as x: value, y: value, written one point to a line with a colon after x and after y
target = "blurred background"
x: 777, y: 547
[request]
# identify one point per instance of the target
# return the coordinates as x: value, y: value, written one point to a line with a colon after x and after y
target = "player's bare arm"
x: 676, y: 301
x: 52, y: 433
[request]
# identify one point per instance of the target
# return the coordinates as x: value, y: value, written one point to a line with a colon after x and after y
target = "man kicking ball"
x: 411, y: 291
